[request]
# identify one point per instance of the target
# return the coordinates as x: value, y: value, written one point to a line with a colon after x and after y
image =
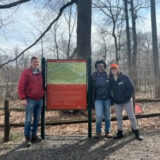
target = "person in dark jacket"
x: 122, y: 90
x: 30, y: 90
x: 101, y: 98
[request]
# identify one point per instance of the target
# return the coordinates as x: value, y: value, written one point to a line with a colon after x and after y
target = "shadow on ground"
x: 70, y: 148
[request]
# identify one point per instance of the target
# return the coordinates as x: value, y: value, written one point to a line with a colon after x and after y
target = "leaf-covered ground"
x: 70, y: 142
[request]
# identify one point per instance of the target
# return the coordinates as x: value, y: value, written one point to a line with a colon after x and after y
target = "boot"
x: 35, y: 138
x: 118, y: 135
x: 27, y: 141
x: 137, y: 135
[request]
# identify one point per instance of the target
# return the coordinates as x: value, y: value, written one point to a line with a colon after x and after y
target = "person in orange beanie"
x: 121, y: 92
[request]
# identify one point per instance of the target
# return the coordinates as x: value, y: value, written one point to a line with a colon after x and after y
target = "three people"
x: 101, y: 98
x: 122, y: 90
x: 30, y: 90
x: 117, y: 85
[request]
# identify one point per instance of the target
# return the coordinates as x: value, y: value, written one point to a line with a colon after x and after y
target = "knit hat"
x: 114, y: 66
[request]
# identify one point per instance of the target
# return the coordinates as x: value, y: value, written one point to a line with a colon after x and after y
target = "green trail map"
x: 66, y: 73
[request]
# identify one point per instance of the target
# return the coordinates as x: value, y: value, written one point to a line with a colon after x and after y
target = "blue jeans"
x: 33, y: 109
x: 102, y: 109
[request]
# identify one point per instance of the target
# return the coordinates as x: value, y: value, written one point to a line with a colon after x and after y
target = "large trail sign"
x: 66, y: 84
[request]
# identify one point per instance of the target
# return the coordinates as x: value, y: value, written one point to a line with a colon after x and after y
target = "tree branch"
x: 6, y: 6
x: 47, y: 29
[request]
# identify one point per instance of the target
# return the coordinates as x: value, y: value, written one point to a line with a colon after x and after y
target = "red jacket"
x: 30, y: 86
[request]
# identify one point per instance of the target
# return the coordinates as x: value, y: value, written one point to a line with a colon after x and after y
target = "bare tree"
x: 13, y: 4
x: 134, y: 54
x: 106, y: 48
x: 71, y: 25
x: 128, y: 36
x: 41, y: 36
x: 145, y: 78
x: 56, y: 45
x: 155, y: 49
x: 113, y: 11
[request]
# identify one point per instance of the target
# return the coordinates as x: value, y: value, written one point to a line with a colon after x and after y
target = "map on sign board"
x: 66, y: 73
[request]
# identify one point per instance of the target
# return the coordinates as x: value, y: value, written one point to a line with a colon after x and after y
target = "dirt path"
x: 81, y: 148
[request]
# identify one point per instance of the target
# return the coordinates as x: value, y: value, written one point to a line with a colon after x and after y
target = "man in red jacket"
x: 30, y: 90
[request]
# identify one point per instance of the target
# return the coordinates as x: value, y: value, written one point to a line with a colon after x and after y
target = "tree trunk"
x: 134, y: 54
x: 83, y: 50
x: 115, y: 42
x: 155, y: 49
x: 128, y: 37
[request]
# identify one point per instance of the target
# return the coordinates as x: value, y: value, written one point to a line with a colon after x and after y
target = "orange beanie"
x: 114, y: 66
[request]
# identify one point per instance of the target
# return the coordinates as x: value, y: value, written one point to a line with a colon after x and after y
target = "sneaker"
x: 97, y: 136
x: 28, y: 142
x: 108, y: 135
x: 35, y: 139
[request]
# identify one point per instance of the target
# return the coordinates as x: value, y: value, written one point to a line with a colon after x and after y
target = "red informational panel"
x: 66, y: 84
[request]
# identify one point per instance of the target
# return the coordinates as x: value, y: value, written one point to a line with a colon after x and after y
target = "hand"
x: 24, y: 102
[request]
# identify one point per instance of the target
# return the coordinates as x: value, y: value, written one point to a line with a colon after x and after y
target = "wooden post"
x: 6, y: 120
x: 89, y: 99
x: 43, y: 63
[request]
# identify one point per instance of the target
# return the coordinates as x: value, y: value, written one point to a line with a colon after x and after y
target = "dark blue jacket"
x: 122, y: 89
x: 101, y: 86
